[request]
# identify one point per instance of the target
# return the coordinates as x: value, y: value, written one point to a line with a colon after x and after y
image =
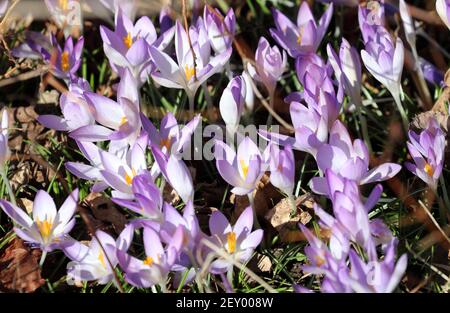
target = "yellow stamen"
x: 63, y: 4
x: 128, y: 40
x: 166, y: 143
x: 45, y: 227
x: 428, y: 169
x: 231, y: 240
x: 65, y: 61
x: 123, y: 121
x: 129, y: 178
x: 244, y: 167
x: 189, y: 72
x: 101, y: 258
x: 300, y: 35
x: 148, y: 261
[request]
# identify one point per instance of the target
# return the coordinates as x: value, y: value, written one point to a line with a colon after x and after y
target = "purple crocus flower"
x: 121, y: 120
x: 127, y: 47
x: 176, y: 173
x: 119, y: 173
x: 220, y: 29
x: 36, y: 46
x: 171, y: 138
x: 158, y: 261
x: 165, y: 19
x: 349, y: 160
x: 431, y: 73
x: 238, y: 241
x: 270, y: 64
x: 76, y: 111
x: 427, y: 150
x: 243, y: 169
x: 5, y: 153
x: 95, y: 261
x: 282, y: 167
x: 370, y: 17
x: 64, y: 63
x: 3, y: 6
x: 303, y: 38
x: 48, y: 227
x: 148, y: 199
x: 187, y: 73
x: 443, y: 9
x: 347, y: 68
x: 232, y: 102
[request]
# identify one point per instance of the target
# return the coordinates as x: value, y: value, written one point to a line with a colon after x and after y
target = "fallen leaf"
x: 19, y: 267
x: 104, y: 210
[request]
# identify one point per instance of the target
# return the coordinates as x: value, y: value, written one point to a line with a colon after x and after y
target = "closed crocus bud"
x: 249, y: 95
x: 4, y: 149
x: 282, y: 167
x: 270, y: 64
x: 443, y: 9
x: 220, y: 29
x: 232, y: 101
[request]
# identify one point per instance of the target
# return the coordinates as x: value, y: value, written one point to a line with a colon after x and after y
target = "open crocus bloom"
x: 148, y: 199
x: 4, y: 148
x: 304, y: 37
x: 64, y: 63
x: 170, y: 138
x: 242, y: 170
x: 76, y: 111
x: 48, y: 227
x: 350, y: 160
x: 176, y: 173
x: 443, y: 9
x: 94, y: 262
x: 120, y: 172
x: 220, y: 29
x: 127, y: 46
x: 427, y: 150
x: 187, y: 73
x: 238, y: 241
x: 121, y: 120
x: 158, y: 260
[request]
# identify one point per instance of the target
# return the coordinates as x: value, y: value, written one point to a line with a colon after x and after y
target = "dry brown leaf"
x: 286, y: 223
x: 19, y: 268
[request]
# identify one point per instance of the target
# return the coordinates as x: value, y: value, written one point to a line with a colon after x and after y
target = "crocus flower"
x: 376, y: 276
x: 237, y: 241
x: 187, y: 73
x: 443, y: 9
x: 303, y: 38
x: 270, y: 64
x: 119, y: 173
x: 165, y: 19
x: 282, y: 167
x: 171, y: 137
x: 158, y: 261
x: 176, y: 173
x: 64, y: 63
x: 349, y: 160
x: 232, y: 102
x: 76, y: 111
x: 243, y: 169
x: 66, y: 14
x: 127, y: 47
x: 370, y: 17
x: 4, y: 148
x: 36, y: 46
x: 220, y: 29
x: 148, y: 199
x: 95, y: 261
x: 48, y: 227
x: 431, y: 73
x: 347, y: 68
x: 427, y: 150
x: 128, y: 7
x: 121, y: 120
x: 384, y: 60
x: 3, y: 7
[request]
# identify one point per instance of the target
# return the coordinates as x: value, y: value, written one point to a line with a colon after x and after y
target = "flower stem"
x: 364, y: 128
x: 5, y: 179
x: 226, y: 282
x: 256, y: 224
x: 401, y: 110
x: 43, y: 256
x: 191, y: 98
x: 208, y: 98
